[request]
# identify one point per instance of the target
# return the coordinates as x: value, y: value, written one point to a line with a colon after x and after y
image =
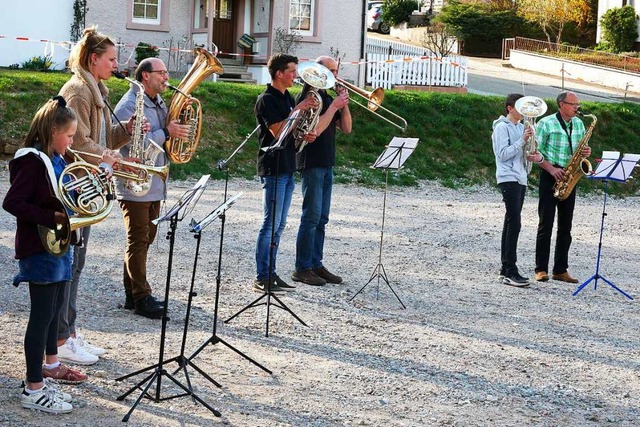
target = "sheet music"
x: 187, y: 201
x: 615, y: 166
x: 396, y: 153
x: 216, y: 213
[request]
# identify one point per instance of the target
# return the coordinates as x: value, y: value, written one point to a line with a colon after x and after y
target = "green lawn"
x: 454, y: 131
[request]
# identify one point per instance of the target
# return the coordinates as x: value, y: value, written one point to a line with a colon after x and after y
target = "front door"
x: 223, y: 26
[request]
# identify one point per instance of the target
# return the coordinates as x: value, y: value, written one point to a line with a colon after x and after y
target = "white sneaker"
x: 88, y: 347
x: 46, y: 400
x: 71, y: 352
x: 52, y: 384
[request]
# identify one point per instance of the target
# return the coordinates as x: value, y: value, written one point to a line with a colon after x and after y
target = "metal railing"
x: 578, y: 54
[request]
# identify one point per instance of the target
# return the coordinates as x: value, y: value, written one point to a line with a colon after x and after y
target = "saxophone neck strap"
x: 568, y: 130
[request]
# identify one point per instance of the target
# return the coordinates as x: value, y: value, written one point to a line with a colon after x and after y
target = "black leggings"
x: 42, y: 330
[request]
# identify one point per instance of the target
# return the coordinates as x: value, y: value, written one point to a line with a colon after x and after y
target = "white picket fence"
x: 392, y: 63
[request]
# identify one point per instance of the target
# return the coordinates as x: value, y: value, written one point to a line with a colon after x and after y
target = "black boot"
x: 148, y: 307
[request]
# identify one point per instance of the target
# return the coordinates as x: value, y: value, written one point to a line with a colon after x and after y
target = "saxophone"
x: 577, y: 166
x: 141, y: 184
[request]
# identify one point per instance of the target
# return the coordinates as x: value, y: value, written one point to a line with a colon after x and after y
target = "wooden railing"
x: 578, y: 54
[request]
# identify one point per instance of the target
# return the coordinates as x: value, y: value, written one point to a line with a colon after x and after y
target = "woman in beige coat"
x: 92, y: 61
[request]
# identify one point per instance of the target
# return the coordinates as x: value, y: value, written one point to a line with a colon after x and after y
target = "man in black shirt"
x: 275, y: 168
x: 315, y: 163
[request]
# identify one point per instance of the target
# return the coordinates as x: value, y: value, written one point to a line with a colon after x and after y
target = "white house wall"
x: 340, y: 28
x: 38, y: 20
x: 111, y: 19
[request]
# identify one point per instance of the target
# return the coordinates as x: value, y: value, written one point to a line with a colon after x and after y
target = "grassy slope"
x: 454, y: 130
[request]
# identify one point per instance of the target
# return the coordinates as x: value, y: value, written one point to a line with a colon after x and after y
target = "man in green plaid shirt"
x: 558, y: 135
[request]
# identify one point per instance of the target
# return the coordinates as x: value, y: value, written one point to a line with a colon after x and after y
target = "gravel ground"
x: 466, y: 351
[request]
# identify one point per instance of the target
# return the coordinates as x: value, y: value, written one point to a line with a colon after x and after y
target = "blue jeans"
x: 316, y: 204
x: 279, y: 188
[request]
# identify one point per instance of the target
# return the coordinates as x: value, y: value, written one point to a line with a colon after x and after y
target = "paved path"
x: 490, y: 76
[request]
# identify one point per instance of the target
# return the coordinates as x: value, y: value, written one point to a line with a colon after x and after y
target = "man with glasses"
x: 315, y: 164
x: 558, y: 135
x: 139, y: 210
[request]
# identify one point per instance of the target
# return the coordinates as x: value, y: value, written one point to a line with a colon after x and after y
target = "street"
x: 493, y: 76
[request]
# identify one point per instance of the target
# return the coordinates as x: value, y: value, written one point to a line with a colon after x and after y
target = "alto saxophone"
x: 146, y: 156
x: 577, y: 167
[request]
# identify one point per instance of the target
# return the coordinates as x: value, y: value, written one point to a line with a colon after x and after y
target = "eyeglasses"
x: 162, y: 72
x: 573, y: 104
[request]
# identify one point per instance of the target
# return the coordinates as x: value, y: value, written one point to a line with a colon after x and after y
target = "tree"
x: 395, y: 12
x: 620, y: 28
x: 479, y: 28
x: 553, y: 15
x: 438, y: 40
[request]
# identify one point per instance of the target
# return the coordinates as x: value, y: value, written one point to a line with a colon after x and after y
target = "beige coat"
x: 87, y: 98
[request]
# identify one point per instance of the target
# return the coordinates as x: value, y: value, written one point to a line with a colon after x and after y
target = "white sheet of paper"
x: 613, y: 168
x: 396, y: 153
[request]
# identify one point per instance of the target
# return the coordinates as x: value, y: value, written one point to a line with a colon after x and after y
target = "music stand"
x: 182, y: 207
x: 394, y: 156
x: 616, y: 167
x: 197, y: 229
x: 289, y: 126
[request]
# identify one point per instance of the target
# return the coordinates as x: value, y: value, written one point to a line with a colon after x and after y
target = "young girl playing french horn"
x: 34, y: 174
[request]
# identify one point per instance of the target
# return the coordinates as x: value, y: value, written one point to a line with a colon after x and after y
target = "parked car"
x: 374, y: 18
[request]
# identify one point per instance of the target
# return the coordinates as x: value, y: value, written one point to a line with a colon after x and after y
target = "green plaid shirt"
x: 553, y: 141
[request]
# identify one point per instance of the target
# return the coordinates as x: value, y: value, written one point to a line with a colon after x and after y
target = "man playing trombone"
x: 315, y: 164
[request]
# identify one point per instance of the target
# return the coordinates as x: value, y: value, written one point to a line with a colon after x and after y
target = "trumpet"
x: 374, y: 103
x: 132, y: 171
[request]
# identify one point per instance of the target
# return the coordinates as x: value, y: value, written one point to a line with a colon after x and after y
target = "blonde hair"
x: 92, y: 41
x: 54, y: 114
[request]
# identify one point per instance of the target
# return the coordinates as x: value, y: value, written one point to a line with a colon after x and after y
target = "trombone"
x: 141, y: 171
x: 374, y: 102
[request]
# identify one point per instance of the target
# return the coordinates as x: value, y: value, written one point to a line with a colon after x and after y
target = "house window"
x: 223, y: 9
x: 152, y: 15
x: 201, y: 14
x: 147, y: 11
x: 301, y: 16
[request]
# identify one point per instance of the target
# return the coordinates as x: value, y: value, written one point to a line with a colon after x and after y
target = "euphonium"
x: 530, y: 107
x: 85, y: 190
x: 577, y: 166
x: 146, y: 156
x: 317, y: 76
x: 186, y: 109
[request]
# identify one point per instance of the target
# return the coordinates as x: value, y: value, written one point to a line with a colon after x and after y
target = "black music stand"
x: 394, y: 156
x: 182, y: 207
x: 197, y: 228
x: 615, y: 167
x: 290, y: 125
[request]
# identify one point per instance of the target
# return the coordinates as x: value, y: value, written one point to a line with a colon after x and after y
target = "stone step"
x: 238, y: 80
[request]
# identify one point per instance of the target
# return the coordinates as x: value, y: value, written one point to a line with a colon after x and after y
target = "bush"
x: 38, y: 63
x: 395, y: 12
x: 619, y: 28
x: 480, y: 28
x: 145, y: 50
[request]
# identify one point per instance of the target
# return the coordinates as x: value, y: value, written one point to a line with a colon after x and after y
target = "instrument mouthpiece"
x: 117, y: 74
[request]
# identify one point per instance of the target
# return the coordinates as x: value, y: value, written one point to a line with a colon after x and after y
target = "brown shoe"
x: 308, y: 277
x: 564, y: 277
x: 64, y: 374
x: 327, y: 275
x: 541, y: 276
